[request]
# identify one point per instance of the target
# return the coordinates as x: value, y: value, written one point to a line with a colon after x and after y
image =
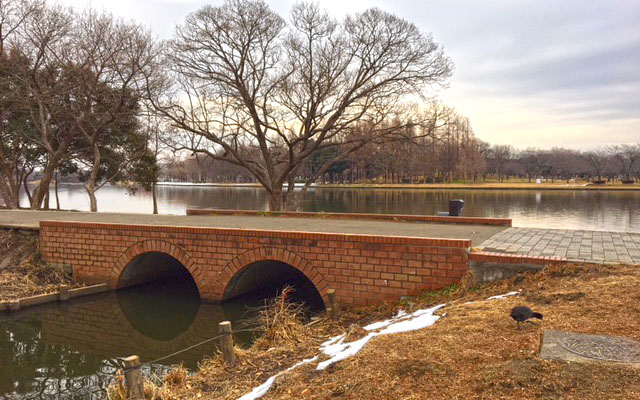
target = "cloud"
x: 527, y: 72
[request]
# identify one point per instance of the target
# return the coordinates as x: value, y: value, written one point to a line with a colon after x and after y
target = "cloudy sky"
x: 531, y: 73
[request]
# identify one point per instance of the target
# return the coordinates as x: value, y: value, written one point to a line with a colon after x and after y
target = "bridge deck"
x: 477, y: 233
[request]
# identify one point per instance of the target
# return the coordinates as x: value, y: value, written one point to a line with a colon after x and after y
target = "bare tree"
x: 252, y: 90
x: 112, y: 59
x: 626, y: 158
x: 42, y: 39
x: 597, y: 160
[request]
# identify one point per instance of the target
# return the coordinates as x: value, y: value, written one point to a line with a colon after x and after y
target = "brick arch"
x: 157, y: 246
x: 271, y: 254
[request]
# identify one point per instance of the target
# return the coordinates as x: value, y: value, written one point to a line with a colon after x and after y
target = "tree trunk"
x: 276, y: 199
x: 7, y: 196
x: 93, y: 178
x: 154, y: 196
x: 43, y: 187
x: 26, y: 188
x: 57, y: 196
x: 47, y: 198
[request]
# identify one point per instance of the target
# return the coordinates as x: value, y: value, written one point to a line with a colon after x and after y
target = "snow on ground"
x: 338, y: 350
x: 502, y: 296
x: 261, y: 390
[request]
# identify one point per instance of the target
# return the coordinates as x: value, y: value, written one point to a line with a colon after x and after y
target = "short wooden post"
x: 63, y: 294
x: 133, y: 378
x: 226, y: 342
x: 335, y: 308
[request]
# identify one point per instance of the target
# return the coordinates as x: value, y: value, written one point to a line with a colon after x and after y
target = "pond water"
x: 563, y: 209
x: 72, y: 351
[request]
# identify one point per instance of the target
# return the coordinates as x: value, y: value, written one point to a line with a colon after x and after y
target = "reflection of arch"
x: 111, y: 333
x: 157, y: 246
x: 270, y: 254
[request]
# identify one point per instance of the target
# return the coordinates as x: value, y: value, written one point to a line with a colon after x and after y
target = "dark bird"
x: 523, y: 313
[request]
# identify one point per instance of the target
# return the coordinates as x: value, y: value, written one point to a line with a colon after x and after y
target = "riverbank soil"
x: 22, y: 272
x: 475, y: 351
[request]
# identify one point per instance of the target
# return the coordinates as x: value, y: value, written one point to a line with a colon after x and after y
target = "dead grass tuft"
x: 22, y: 272
x: 280, y: 322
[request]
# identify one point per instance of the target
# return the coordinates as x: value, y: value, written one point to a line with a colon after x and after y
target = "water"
x: 72, y: 351
x: 566, y: 209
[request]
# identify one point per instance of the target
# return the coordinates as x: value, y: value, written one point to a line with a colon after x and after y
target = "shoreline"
x: 430, y: 186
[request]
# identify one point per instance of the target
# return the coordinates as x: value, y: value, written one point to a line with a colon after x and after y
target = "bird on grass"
x: 523, y: 313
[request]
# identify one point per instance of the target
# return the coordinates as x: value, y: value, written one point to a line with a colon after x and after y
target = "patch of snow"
x: 400, y: 323
x: 377, y: 325
x: 338, y: 350
x: 344, y: 350
x: 261, y: 390
x: 419, y: 320
x: 331, y: 341
x: 502, y: 296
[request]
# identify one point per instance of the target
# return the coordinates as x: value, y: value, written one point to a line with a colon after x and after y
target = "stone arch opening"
x: 154, y: 283
x: 266, y: 278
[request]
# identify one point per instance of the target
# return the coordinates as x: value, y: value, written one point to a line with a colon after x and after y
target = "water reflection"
x: 73, y: 350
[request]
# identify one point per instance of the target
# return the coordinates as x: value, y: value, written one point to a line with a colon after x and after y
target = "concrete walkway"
x: 574, y: 245
x: 477, y: 233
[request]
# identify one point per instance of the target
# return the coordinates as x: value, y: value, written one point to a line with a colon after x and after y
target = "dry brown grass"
x: 474, y: 352
x: 22, y: 273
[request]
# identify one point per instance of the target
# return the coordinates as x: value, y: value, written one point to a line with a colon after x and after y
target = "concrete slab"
x: 580, y: 347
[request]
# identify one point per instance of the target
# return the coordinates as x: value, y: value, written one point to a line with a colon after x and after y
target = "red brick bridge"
x: 365, y: 258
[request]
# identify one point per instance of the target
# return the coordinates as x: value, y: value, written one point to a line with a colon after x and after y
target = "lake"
x: 562, y: 209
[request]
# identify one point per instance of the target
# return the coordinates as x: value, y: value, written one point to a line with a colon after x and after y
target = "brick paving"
x: 574, y: 245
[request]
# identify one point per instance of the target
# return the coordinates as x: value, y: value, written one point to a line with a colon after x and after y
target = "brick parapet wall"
x: 382, y: 217
x: 364, y: 269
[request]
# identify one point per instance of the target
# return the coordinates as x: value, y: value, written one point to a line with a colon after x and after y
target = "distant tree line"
x: 241, y: 94
x: 454, y: 155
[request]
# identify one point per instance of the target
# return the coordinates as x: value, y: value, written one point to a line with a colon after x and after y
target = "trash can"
x: 455, y: 207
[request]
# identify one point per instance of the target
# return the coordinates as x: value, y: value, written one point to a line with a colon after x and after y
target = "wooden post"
x: 226, y: 342
x: 63, y: 294
x: 335, y: 308
x: 133, y: 378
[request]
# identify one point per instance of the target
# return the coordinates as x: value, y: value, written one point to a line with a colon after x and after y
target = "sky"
x: 541, y: 73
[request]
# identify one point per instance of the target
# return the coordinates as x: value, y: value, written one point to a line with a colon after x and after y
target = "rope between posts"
x: 198, y: 344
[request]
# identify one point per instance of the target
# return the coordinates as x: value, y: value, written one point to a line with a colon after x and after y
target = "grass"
x: 474, y: 352
x: 22, y: 272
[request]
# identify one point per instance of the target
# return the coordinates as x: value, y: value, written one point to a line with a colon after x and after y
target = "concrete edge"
x: 25, y: 302
x: 385, y: 217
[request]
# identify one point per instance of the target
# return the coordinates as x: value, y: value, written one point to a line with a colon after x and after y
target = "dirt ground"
x: 474, y: 352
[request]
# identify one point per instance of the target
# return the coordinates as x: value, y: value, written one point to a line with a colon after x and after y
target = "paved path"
x: 578, y: 246
x: 477, y: 233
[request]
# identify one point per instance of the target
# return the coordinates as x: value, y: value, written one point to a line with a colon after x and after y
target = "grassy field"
x: 474, y: 352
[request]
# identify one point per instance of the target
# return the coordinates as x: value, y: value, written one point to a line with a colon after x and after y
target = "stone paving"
x: 574, y: 245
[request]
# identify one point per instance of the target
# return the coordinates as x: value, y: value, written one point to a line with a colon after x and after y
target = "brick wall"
x: 364, y: 269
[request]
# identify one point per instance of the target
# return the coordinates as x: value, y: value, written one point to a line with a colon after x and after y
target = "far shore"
x: 441, y: 186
